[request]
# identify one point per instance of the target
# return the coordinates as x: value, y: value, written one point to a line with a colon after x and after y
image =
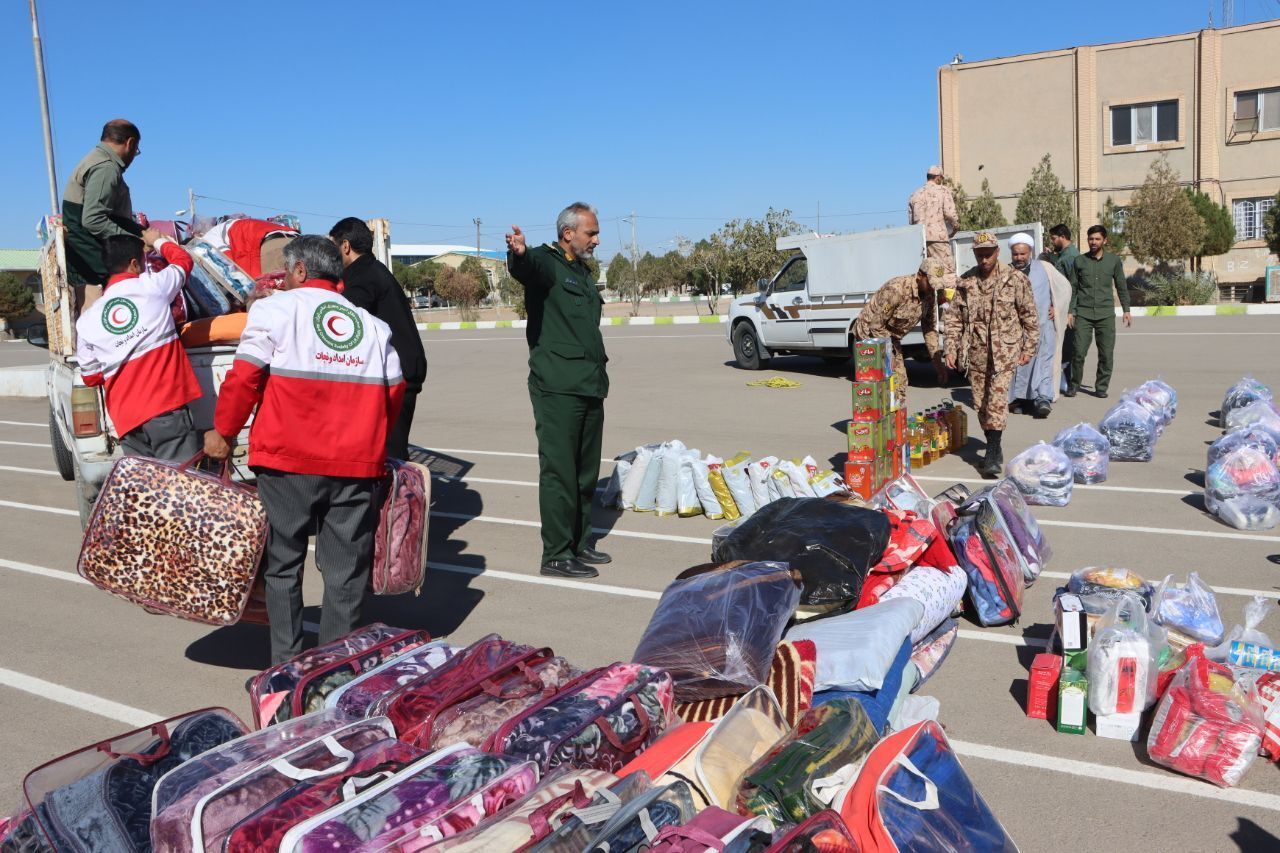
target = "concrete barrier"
x: 26, y: 381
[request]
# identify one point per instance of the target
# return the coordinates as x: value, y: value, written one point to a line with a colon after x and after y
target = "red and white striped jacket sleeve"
x: 242, y: 388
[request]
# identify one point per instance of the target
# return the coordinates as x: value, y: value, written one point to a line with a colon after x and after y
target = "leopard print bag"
x: 175, y: 539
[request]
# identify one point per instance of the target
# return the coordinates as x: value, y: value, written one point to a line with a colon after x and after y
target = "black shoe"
x: 1071, y: 391
x: 1015, y: 408
x: 992, y: 466
x: 592, y: 557
x: 1101, y: 395
x: 567, y: 569
x: 1042, y: 409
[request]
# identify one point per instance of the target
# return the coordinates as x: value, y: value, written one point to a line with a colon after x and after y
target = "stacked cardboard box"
x: 878, y: 451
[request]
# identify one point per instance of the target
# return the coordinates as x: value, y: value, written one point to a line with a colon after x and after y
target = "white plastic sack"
x: 1255, y: 613
x: 759, y: 472
x: 938, y: 592
x: 781, y: 482
x: 855, y: 650
x: 1122, y: 659
x: 828, y: 483
x: 739, y: 483
x: 800, y: 472
x: 612, y: 497
x: 711, y: 507
x: 636, y: 476
x: 687, y: 502
x: 668, y: 495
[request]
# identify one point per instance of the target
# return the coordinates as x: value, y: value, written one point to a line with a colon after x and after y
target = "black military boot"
x: 993, y: 463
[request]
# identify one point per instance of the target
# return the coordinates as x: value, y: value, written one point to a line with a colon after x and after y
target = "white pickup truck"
x: 85, y: 444
x: 810, y: 305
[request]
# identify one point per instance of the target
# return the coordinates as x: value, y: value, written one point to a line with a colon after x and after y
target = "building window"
x: 1258, y: 110
x: 1250, y: 216
x: 1140, y: 124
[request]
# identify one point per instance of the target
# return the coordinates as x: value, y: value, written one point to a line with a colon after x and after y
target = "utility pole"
x: 191, y: 206
x: 635, y: 257
x: 44, y: 109
x: 819, y: 226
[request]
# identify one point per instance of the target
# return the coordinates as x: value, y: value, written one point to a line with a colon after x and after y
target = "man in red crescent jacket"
x: 327, y: 387
x: 255, y: 245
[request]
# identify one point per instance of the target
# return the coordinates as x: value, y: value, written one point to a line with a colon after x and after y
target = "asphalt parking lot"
x: 77, y: 665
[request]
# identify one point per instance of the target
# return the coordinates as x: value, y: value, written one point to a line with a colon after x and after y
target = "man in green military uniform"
x: 1063, y: 257
x: 1093, y: 274
x: 567, y: 384
x: 96, y: 203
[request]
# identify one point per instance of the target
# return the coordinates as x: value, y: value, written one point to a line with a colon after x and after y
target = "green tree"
x: 962, y: 200
x: 512, y: 293
x: 623, y: 280
x: 707, y: 262
x: 16, y: 300
x: 471, y: 266
x: 593, y: 268
x: 751, y: 246
x: 1162, y: 226
x: 1045, y: 200
x: 1219, y: 230
x: 1112, y: 219
x: 1273, y: 227
x: 463, y: 289
x: 983, y: 211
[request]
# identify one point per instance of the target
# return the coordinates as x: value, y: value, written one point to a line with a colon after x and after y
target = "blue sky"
x: 431, y: 114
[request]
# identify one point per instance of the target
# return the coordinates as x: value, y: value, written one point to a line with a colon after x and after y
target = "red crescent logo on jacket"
x: 337, y: 326
x: 119, y: 316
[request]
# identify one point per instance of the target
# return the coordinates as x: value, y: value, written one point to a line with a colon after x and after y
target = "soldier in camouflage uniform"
x: 933, y: 206
x: 898, y: 306
x: 995, y: 314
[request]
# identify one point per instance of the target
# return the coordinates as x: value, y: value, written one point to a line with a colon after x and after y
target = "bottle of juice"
x: 915, y: 435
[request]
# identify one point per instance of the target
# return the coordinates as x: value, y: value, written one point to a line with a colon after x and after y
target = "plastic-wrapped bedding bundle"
x: 1254, y: 437
x: 1244, y: 392
x: 636, y: 476
x: 1243, y: 489
x: 668, y: 494
x: 1043, y: 473
x: 1088, y: 450
x: 1131, y: 431
x: 612, y: 497
x: 711, y: 506
x: 1260, y: 413
x: 739, y: 483
x: 688, y: 504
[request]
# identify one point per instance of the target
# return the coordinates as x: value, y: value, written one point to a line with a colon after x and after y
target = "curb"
x: 461, y: 326
x: 25, y: 381
x: 1224, y: 310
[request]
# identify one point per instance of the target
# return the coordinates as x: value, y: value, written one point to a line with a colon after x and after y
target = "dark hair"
x: 1060, y: 230
x: 355, y: 232
x: 120, y: 131
x: 1098, y: 229
x: 119, y: 249
x: 317, y: 254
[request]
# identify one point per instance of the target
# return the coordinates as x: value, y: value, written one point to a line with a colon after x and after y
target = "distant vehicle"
x: 808, y: 308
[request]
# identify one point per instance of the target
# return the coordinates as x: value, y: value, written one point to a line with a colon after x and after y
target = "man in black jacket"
x: 371, y: 286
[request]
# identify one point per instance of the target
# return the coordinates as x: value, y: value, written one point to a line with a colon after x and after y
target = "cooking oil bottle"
x: 915, y: 435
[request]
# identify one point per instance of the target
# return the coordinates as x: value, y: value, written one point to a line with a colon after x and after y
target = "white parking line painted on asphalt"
x: 1163, y: 531
x: 76, y: 699
x: 451, y: 339
x: 488, y: 452
x: 1007, y: 639
x: 1190, y: 334
x: 1099, y: 488
x: 519, y: 522
x: 24, y: 443
x: 1106, y: 773
x: 541, y: 581
x: 42, y: 571
x: 38, y: 508
x: 17, y: 470
x: 23, y: 423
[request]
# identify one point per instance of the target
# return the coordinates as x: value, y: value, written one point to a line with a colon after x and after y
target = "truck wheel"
x: 62, y: 457
x: 85, y: 496
x: 746, y: 348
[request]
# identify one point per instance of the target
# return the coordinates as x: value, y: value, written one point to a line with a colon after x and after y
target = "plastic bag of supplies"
x: 1247, y: 390
x: 1131, y: 431
x: 1044, y: 474
x: 1243, y: 489
x: 1088, y: 450
x: 1122, y: 659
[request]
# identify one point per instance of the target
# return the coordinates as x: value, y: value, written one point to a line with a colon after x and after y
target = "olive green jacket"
x: 1091, y: 282
x: 566, y: 349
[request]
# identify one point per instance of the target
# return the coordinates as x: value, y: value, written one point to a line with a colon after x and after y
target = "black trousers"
x: 341, y: 510
x: 398, y: 435
x: 170, y: 437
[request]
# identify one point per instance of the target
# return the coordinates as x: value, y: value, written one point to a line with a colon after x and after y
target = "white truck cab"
x: 810, y: 305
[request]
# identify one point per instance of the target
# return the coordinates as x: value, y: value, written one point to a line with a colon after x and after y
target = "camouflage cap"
x: 935, y: 271
x: 985, y: 240
x: 934, y: 170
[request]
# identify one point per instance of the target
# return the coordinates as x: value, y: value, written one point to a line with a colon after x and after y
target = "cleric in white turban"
x: 1035, y: 384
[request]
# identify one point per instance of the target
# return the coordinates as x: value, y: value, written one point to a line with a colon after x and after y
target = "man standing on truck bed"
x: 995, y: 314
x: 933, y: 206
x: 567, y: 384
x: 326, y: 385
x: 127, y: 342
x: 96, y: 202
x: 898, y: 306
x: 371, y: 286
